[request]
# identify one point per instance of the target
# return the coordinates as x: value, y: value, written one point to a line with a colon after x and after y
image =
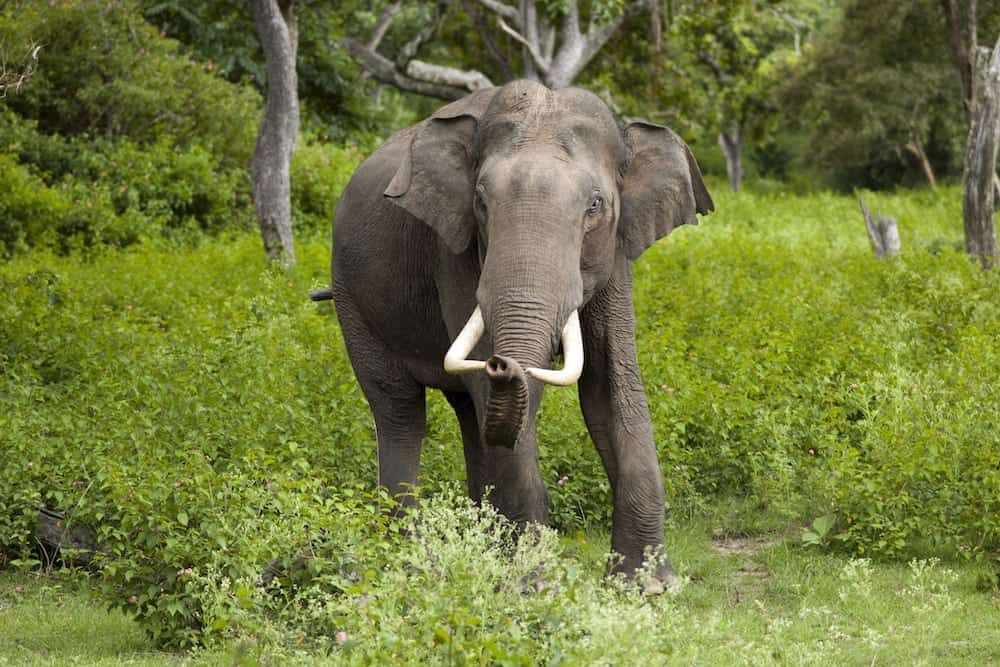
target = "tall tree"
x: 980, y: 193
x: 555, y: 42
x: 963, y: 42
x: 878, y: 96
x: 279, y: 127
x: 731, y: 46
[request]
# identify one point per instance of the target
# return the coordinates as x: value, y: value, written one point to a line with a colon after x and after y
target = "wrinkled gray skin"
x: 530, y: 203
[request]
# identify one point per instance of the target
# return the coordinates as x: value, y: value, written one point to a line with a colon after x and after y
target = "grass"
x: 747, y: 600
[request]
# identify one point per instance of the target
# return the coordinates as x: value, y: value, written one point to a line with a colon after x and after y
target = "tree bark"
x: 731, y: 142
x: 963, y: 49
x: 657, y: 35
x: 979, y: 196
x: 384, y: 21
x: 385, y: 71
x: 279, y: 128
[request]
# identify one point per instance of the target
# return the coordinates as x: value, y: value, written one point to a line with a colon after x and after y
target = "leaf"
x: 182, y: 518
x: 823, y: 524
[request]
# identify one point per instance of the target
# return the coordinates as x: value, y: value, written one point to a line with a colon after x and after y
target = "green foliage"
x: 164, y: 152
x: 336, y: 100
x: 68, y: 193
x: 118, y: 136
x: 320, y: 171
x: 201, y: 415
x: 104, y: 71
x: 876, y: 87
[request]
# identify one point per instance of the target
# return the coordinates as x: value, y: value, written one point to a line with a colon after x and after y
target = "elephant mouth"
x: 457, y: 361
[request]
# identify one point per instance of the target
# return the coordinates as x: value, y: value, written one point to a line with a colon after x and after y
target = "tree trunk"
x: 979, y: 200
x: 279, y: 127
x: 963, y: 51
x: 917, y: 148
x: 657, y: 34
x: 731, y: 142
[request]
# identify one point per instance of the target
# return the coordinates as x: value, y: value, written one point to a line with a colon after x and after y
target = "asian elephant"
x: 471, y: 248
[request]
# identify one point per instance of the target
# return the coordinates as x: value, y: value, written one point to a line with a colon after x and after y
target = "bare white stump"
x: 979, y: 197
x: 882, y: 232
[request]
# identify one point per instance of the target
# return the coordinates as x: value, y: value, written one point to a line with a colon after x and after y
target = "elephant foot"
x: 662, y: 580
x: 654, y: 576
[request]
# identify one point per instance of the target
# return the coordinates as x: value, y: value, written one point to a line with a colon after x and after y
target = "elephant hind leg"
x: 400, y: 422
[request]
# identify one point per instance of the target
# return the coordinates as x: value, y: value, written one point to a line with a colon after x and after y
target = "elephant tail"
x: 325, y: 294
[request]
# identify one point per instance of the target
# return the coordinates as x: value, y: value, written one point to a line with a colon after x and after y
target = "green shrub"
x: 319, y: 173
x: 72, y: 215
x: 104, y: 71
x: 68, y: 194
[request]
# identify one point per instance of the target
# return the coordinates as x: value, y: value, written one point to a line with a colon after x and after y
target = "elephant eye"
x: 596, y: 204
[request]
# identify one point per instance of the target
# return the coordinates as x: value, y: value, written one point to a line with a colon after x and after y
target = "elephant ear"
x: 662, y: 187
x: 435, y: 182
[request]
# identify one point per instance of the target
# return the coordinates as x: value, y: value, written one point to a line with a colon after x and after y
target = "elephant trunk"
x: 508, y: 405
x: 529, y: 290
x: 525, y: 339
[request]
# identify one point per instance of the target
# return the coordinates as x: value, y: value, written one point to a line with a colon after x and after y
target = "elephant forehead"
x: 526, y: 114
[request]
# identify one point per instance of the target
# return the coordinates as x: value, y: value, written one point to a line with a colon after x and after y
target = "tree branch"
x: 385, y: 71
x: 482, y: 23
x: 471, y: 80
x: 598, y: 35
x: 384, y: 21
x: 713, y: 64
x: 13, y: 79
x: 409, y: 50
x: 503, y: 11
x: 537, y: 57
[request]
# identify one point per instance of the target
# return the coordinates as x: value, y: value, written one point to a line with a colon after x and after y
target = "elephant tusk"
x: 572, y: 344
x: 456, y: 361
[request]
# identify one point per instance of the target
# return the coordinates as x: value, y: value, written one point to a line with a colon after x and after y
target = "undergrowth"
x: 199, y: 414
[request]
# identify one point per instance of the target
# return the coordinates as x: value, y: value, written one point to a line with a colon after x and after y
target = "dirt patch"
x: 734, y: 545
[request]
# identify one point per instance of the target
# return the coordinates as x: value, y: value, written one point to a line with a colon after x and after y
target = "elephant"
x: 471, y: 249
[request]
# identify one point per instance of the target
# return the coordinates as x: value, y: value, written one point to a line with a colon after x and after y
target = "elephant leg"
x: 465, y: 410
x: 512, y: 476
x: 400, y: 423
x: 515, y: 479
x: 614, y: 407
x: 397, y: 402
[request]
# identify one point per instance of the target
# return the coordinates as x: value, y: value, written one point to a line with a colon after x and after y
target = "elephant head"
x: 550, y: 192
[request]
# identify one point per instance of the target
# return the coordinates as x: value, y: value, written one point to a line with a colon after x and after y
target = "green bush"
x: 104, y: 71
x: 71, y: 215
x: 123, y: 137
x: 319, y: 172
x: 70, y: 193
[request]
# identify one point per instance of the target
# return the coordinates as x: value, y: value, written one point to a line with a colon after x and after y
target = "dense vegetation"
x: 200, y: 413
x: 161, y: 387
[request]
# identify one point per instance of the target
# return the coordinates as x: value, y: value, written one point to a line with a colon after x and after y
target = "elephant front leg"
x: 617, y: 415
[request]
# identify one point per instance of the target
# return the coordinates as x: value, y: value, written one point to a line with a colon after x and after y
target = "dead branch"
x: 384, y: 70
x: 11, y: 79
